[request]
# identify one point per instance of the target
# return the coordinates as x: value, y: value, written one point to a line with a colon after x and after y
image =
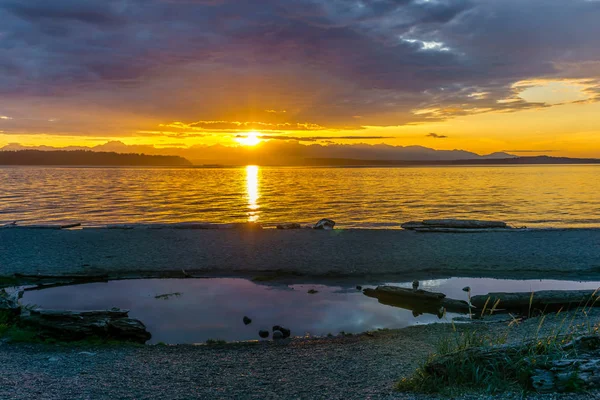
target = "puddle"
x: 195, y: 310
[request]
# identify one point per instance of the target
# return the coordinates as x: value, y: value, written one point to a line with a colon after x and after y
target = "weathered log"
x: 464, y: 223
x: 85, y: 278
x: 459, y: 230
x: 43, y: 226
x: 77, y: 325
x: 455, y: 225
x: 185, y: 225
x: 289, y: 225
x: 410, y: 293
x: 542, y: 300
x: 419, y: 301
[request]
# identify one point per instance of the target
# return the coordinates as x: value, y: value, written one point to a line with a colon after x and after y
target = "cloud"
x: 218, y: 61
x: 236, y: 126
x: 436, y: 136
x: 317, y: 138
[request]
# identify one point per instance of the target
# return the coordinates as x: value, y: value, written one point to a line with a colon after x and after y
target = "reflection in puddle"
x: 214, y: 308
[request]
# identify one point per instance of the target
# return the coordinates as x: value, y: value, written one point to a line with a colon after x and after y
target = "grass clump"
x: 472, y: 360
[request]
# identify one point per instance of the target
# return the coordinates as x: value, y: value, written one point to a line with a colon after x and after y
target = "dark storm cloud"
x: 388, y: 57
x: 36, y: 11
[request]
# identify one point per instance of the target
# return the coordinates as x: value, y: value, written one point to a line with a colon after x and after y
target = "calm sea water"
x: 535, y: 196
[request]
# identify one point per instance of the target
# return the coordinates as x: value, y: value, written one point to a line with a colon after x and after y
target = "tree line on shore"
x: 83, y: 157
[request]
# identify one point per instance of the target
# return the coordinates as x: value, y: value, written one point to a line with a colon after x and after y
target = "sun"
x: 251, y: 139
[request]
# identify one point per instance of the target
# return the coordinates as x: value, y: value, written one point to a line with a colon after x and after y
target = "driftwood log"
x: 419, y: 301
x: 183, y: 225
x: 77, y: 325
x: 543, y: 300
x: 455, y: 225
x: 14, y: 225
x: 577, y: 368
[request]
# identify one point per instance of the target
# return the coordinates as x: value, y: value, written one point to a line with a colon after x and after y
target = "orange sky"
x: 571, y: 129
x: 484, y: 76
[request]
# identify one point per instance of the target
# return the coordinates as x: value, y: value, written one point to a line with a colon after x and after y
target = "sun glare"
x: 251, y: 139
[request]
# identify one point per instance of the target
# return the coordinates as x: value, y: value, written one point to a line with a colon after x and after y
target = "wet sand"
x: 570, y: 253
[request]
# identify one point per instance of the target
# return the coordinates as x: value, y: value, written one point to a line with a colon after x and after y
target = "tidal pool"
x: 195, y: 310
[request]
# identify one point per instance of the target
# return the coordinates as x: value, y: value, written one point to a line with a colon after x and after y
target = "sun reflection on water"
x: 252, y: 192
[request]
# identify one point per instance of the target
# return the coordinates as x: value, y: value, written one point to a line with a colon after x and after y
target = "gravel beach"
x: 357, y: 367
x: 566, y: 253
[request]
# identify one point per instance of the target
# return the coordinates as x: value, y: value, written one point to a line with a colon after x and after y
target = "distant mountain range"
x: 536, y: 160
x: 274, y: 152
x: 278, y: 152
x: 80, y: 157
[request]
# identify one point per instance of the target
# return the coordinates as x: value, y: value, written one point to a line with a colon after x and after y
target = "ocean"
x: 534, y: 196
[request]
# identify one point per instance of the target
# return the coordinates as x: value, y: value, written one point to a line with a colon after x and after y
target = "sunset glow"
x: 251, y: 139
x: 252, y: 192
x: 372, y: 77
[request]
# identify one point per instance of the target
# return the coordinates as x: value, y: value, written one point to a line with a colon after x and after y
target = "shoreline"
x: 365, y: 254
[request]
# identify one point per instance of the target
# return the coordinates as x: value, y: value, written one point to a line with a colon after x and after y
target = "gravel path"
x: 555, y: 253
x: 358, y: 367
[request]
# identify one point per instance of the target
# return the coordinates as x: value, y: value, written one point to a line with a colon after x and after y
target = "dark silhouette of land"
x: 91, y: 158
x: 536, y: 160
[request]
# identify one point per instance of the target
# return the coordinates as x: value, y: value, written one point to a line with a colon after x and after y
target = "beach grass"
x: 471, y: 359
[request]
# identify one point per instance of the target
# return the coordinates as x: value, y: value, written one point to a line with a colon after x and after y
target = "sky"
x: 484, y: 76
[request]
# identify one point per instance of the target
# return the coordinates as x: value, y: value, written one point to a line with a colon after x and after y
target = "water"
x: 535, y: 196
x: 214, y: 308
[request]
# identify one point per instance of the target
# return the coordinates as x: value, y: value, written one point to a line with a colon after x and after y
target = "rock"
x: 542, y: 381
x: 263, y: 334
x: 358, y: 287
x: 247, y: 321
x: 415, y: 284
x: 277, y: 335
x: 292, y: 225
x: 312, y: 291
x: 326, y: 224
x: 128, y: 329
x: 286, y: 332
x: 77, y: 325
